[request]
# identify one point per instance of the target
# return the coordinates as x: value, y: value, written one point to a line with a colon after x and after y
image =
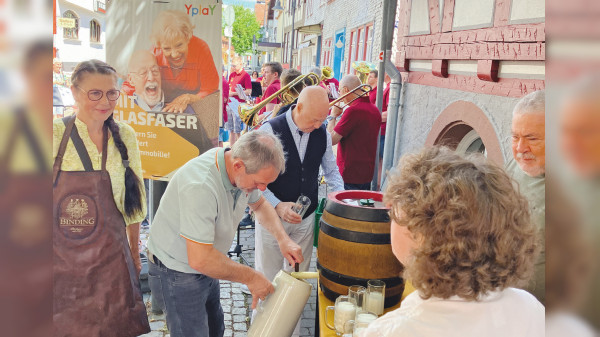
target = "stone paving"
x: 236, y: 305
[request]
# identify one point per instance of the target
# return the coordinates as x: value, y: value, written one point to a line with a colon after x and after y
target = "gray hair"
x: 169, y: 25
x: 259, y: 150
x: 316, y: 70
x: 531, y: 103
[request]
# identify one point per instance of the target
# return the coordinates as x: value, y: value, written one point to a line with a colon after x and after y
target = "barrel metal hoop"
x: 344, y: 210
x: 349, y: 281
x: 353, y: 236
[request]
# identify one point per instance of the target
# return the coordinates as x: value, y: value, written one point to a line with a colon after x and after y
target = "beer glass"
x: 301, y: 205
x: 358, y: 293
x: 355, y: 329
x: 375, y: 296
x: 344, y: 311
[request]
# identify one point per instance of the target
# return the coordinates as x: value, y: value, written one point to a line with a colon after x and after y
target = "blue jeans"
x: 365, y: 186
x: 191, y: 301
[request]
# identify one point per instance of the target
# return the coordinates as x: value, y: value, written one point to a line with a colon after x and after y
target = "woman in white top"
x: 464, y: 236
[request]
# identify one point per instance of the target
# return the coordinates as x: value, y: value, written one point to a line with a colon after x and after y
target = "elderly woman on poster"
x: 186, y: 64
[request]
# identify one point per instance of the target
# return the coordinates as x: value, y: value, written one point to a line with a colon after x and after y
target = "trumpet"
x: 248, y: 113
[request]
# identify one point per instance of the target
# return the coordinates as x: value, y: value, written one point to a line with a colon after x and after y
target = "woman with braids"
x: 465, y: 237
x: 99, y: 202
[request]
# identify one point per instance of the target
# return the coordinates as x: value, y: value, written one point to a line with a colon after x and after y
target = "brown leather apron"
x: 96, y: 289
x: 25, y: 239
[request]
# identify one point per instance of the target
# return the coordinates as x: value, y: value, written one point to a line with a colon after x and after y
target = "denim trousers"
x: 191, y: 301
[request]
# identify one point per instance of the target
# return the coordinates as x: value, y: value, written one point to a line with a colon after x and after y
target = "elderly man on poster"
x: 144, y: 75
x: 528, y: 168
x: 196, y: 223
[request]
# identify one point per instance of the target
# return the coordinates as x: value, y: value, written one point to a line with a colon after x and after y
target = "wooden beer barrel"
x: 354, y: 246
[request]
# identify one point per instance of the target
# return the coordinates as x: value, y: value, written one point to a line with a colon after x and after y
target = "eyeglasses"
x: 96, y: 95
x: 144, y: 73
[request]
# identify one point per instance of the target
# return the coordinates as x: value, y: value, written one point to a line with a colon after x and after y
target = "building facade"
x: 465, y: 64
x: 80, y: 31
x: 269, y: 46
x: 351, y: 32
x: 328, y: 33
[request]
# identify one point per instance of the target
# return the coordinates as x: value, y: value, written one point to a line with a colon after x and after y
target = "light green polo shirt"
x: 199, y: 204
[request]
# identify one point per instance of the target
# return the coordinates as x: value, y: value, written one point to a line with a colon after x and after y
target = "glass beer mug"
x: 375, y: 297
x: 344, y: 311
x: 358, y: 293
x: 355, y: 329
x: 301, y: 205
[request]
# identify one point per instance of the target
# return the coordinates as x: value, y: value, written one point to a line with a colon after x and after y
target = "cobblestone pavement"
x: 236, y: 305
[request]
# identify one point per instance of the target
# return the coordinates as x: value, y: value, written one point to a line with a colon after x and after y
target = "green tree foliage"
x: 245, y: 27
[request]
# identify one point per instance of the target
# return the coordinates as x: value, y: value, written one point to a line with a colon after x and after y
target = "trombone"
x: 364, y: 88
x: 248, y: 113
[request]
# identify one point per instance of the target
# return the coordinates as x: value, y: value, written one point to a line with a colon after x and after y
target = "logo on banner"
x: 191, y: 10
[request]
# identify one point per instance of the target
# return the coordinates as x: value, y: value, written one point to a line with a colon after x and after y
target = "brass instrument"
x: 248, y: 113
x: 363, y: 69
x: 327, y: 73
x: 364, y: 88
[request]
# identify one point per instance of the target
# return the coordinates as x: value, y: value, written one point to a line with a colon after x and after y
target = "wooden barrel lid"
x: 346, y: 204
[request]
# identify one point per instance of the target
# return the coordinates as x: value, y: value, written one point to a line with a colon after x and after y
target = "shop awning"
x: 311, y: 29
x: 268, y: 46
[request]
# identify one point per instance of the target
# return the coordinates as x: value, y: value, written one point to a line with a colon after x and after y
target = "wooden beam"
x: 439, y: 68
x: 508, y: 87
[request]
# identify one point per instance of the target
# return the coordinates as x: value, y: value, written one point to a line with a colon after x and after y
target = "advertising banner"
x: 167, y: 54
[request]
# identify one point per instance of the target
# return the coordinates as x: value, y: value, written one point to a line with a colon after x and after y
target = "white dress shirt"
x: 328, y: 163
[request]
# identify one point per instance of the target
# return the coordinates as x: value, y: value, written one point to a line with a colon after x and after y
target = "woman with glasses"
x: 99, y: 203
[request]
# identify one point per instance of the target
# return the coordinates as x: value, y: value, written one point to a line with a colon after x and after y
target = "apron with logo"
x: 96, y: 290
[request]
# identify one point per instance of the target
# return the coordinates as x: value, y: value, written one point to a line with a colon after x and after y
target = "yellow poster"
x: 167, y: 55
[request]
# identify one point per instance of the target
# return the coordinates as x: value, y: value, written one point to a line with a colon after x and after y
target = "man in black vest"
x: 307, y: 146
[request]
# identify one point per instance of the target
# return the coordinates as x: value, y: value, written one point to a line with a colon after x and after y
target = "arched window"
x: 71, y: 33
x: 95, y: 31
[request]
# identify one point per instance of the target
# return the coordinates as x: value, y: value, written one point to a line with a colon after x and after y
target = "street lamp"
x: 277, y: 6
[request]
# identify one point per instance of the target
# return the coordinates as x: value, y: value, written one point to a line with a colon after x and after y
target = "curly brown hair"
x: 472, y: 225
